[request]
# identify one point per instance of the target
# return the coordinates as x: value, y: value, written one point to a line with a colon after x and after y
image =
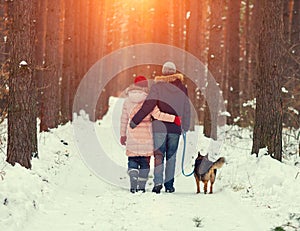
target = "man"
x: 170, y: 95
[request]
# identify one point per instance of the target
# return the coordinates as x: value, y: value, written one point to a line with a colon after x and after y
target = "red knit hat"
x: 141, y: 81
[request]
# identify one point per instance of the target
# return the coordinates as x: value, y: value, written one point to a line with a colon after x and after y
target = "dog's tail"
x: 218, y: 163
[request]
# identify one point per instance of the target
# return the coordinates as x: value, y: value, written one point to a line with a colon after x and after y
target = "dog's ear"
x: 199, y: 154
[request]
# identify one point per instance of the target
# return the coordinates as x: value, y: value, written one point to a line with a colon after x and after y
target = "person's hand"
x: 132, y: 124
x: 123, y: 140
x: 177, y: 120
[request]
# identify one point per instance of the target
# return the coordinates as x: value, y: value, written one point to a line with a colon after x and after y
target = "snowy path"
x: 61, y: 193
x: 84, y: 202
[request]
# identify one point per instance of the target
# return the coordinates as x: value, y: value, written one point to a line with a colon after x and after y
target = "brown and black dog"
x: 206, y: 172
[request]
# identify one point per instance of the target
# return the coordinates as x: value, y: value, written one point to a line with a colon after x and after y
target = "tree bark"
x: 50, y: 103
x: 233, y: 59
x: 196, y: 42
x: 3, y: 32
x: 22, y: 134
x: 68, y: 66
x: 295, y: 39
x: 215, y: 64
x: 268, y: 119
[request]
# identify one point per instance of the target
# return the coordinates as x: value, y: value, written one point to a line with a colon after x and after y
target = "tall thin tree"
x: 233, y: 59
x: 196, y: 43
x: 50, y: 104
x: 3, y: 31
x: 295, y: 39
x: 68, y: 62
x: 215, y: 60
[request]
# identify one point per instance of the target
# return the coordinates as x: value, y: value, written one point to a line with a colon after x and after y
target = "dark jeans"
x: 142, y: 164
x: 165, y: 145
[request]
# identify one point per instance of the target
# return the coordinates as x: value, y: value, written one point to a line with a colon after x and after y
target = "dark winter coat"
x: 170, y: 95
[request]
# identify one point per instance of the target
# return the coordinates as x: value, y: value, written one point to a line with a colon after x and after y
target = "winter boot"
x: 142, y: 184
x: 170, y: 189
x: 157, y: 188
x: 133, y: 174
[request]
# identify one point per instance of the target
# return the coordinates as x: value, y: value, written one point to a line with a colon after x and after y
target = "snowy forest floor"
x: 62, y: 193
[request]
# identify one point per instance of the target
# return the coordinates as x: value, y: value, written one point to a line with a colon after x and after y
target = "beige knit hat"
x: 168, y: 68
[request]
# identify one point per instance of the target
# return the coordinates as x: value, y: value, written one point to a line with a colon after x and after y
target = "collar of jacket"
x: 169, y: 78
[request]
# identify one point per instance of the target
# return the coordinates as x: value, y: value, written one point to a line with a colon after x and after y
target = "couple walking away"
x: 151, y: 124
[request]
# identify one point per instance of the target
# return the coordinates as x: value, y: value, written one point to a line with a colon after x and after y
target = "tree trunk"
x: 195, y: 44
x: 40, y: 51
x: 50, y: 103
x: 3, y: 32
x: 268, y: 120
x: 3, y: 62
x: 286, y: 20
x: 22, y: 134
x: 246, y: 86
x: 253, y: 44
x: 215, y: 63
x: 233, y: 58
x: 161, y: 31
x: 295, y: 29
x: 78, y: 27
x: 295, y: 39
x: 68, y: 67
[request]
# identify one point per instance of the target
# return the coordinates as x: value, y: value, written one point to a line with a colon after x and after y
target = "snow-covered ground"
x: 61, y: 192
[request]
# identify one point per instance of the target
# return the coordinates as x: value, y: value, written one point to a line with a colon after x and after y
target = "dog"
x: 205, y: 171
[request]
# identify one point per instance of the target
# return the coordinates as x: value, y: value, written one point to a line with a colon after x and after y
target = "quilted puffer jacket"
x: 139, y: 140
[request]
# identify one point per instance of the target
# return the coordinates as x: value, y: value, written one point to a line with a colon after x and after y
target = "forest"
x: 250, y: 47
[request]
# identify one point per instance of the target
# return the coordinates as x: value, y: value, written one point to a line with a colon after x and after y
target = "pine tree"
x: 22, y: 134
x: 233, y: 59
x: 215, y: 61
x: 50, y: 103
x: 268, y: 117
